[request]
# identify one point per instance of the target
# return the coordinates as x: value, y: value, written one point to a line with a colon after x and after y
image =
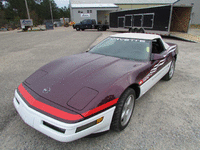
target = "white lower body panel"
x: 154, y: 79
x: 36, y: 120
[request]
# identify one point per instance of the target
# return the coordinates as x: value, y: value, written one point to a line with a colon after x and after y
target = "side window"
x: 157, y: 46
x: 88, y: 21
x: 84, y: 22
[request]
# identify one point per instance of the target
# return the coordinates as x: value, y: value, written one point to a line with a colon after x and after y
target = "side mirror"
x: 157, y: 56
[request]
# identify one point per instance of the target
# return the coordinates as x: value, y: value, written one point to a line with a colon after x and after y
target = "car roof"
x: 142, y: 36
x: 137, y: 36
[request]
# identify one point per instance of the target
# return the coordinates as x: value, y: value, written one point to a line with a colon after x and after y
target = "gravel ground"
x: 194, y: 31
x: 166, y: 117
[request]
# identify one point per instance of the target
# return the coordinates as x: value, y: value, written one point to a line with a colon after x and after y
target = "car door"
x: 89, y: 24
x: 84, y: 24
x: 158, y: 67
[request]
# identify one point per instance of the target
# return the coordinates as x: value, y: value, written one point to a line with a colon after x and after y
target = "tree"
x: 1, y: 6
x: 64, y: 12
x: 18, y: 7
x: 15, y: 10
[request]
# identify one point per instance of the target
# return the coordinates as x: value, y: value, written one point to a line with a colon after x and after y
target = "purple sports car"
x: 92, y: 92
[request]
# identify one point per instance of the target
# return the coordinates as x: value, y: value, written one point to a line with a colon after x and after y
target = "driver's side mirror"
x: 155, y: 56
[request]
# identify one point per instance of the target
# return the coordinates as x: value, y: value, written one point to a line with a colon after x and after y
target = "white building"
x: 99, y: 12
x: 128, y: 4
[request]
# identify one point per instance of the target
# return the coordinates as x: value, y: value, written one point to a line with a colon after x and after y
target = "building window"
x: 80, y: 11
x: 89, y: 11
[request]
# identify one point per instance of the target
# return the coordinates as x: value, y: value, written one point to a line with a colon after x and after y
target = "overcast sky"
x: 62, y: 3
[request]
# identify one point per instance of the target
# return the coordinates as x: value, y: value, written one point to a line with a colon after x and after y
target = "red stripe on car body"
x: 102, y: 107
x: 49, y: 109
x: 57, y: 112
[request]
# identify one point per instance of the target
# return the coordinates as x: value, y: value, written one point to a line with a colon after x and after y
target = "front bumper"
x: 60, y: 131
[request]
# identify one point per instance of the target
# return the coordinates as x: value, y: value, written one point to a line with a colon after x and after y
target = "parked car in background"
x: 3, y: 29
x: 90, y: 24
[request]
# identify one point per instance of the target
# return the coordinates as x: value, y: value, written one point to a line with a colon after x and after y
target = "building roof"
x: 94, y: 5
x: 123, y: 1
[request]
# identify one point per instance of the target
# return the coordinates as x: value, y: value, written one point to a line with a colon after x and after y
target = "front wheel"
x: 135, y: 30
x: 124, y: 110
x: 141, y: 30
x: 99, y: 28
x: 77, y: 28
x: 170, y: 73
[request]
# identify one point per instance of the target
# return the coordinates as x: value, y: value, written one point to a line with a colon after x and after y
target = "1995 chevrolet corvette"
x: 91, y: 92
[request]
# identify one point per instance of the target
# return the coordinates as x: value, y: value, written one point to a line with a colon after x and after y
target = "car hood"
x: 77, y: 24
x: 82, y: 76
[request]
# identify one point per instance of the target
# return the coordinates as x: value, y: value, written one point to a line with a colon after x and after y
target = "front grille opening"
x: 53, y: 127
x: 17, y: 100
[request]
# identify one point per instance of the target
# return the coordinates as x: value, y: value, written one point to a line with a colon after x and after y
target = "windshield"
x: 124, y: 48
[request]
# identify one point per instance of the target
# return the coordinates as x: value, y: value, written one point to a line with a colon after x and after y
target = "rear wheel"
x: 141, y: 30
x: 170, y: 73
x: 77, y: 28
x: 124, y: 110
x: 104, y: 29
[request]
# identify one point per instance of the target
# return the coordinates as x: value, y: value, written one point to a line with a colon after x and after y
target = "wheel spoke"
x: 129, y: 101
x: 125, y: 118
x: 127, y: 110
x: 123, y: 114
x: 171, y: 72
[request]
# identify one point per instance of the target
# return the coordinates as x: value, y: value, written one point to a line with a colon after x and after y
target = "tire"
x: 77, y: 28
x: 99, y: 28
x: 124, y: 110
x: 104, y: 29
x: 82, y: 29
x: 135, y: 30
x: 170, y: 73
x: 141, y: 30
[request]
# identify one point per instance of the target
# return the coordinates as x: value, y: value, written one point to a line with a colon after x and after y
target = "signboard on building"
x: 85, y: 15
x: 26, y: 22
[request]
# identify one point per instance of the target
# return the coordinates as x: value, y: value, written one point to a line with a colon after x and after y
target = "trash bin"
x: 49, y: 25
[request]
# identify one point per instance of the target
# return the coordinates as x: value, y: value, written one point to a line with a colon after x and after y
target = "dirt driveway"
x: 166, y: 117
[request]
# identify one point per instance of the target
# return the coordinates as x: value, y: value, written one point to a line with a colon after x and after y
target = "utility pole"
x: 51, y: 11
x: 27, y: 9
